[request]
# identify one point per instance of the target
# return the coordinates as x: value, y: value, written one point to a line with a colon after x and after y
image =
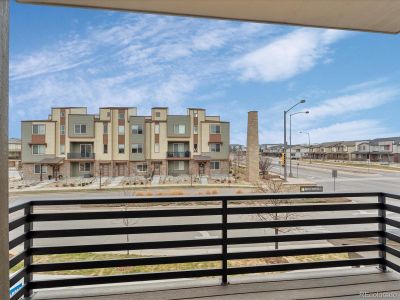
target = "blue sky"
x: 94, y: 58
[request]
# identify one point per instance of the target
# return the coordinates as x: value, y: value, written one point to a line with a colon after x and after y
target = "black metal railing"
x: 80, y: 155
x: 172, y: 154
x: 25, y: 215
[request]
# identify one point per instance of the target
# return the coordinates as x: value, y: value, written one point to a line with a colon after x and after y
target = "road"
x: 349, y: 180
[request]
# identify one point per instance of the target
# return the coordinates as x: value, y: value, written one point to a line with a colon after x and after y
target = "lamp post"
x: 290, y: 138
x: 284, y: 135
x: 309, y: 144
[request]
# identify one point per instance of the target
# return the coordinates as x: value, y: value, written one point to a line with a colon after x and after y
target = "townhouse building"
x: 119, y: 142
x: 14, y: 152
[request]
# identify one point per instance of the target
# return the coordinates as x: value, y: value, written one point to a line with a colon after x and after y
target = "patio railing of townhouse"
x: 24, y: 216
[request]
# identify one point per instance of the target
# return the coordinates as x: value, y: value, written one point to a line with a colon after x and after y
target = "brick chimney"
x: 252, y: 153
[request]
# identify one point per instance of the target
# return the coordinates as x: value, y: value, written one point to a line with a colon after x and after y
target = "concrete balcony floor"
x: 340, y: 283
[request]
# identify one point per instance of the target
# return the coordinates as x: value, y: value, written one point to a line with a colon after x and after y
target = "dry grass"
x: 212, y: 192
x: 238, y: 192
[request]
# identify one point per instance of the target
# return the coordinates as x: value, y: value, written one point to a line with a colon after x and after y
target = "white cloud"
x: 288, y: 55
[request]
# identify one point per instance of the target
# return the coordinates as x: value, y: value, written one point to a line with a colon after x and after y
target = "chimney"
x: 253, y: 150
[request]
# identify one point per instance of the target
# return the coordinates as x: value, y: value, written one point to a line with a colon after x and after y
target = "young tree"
x: 265, y: 166
x: 128, y: 222
x: 274, y: 187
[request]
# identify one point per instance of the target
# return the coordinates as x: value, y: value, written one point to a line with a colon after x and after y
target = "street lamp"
x: 290, y: 138
x: 284, y: 134
x: 309, y: 143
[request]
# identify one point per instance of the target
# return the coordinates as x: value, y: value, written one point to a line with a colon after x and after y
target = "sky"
x: 95, y: 58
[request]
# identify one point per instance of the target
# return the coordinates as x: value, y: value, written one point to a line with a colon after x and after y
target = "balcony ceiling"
x: 365, y: 15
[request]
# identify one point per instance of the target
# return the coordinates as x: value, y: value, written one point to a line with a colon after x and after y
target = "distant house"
x: 14, y: 152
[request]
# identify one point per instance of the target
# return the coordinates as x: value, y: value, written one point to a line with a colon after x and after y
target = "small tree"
x: 265, y: 166
x: 20, y: 172
x: 128, y: 222
x: 274, y: 186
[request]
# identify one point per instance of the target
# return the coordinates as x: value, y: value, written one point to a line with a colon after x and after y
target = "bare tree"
x: 128, y: 222
x: 265, y: 166
x: 274, y: 186
x: 20, y: 171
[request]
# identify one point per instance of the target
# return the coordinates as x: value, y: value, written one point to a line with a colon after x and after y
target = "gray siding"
x: 174, y: 120
x: 225, y: 138
x: 26, y: 138
x: 137, y: 138
x: 88, y: 120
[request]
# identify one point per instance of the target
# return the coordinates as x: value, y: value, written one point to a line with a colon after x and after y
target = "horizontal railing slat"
x: 125, y: 246
x: 392, y: 208
x: 393, y: 266
x: 17, y: 276
x: 18, y: 207
x: 392, y: 222
x: 19, y: 240
x: 392, y: 237
x: 18, y: 222
x: 305, y: 266
x: 174, y: 199
x: 65, y: 282
x: 392, y: 251
x: 18, y: 295
x: 393, y: 196
x: 17, y: 259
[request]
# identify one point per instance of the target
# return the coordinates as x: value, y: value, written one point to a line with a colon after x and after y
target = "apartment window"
x: 214, y: 165
x: 156, y: 147
x: 39, y: 129
x: 105, y: 148
x: 105, y: 128
x: 157, y: 129
x: 62, y: 149
x: 84, y: 167
x: 38, y: 149
x: 195, y: 114
x: 137, y: 148
x: 215, y: 147
x: 80, y: 128
x: 195, y: 129
x: 179, y: 166
x: 108, y: 114
x: 37, y: 168
x: 121, y: 148
x: 62, y: 129
x: 137, y: 129
x: 214, y: 128
x: 121, y: 129
x: 62, y: 114
x: 179, y: 129
x: 195, y: 147
x: 121, y: 116
x: 141, y: 167
x: 386, y: 147
x: 158, y: 114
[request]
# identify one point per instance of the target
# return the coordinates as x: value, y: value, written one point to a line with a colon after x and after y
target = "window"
x: 215, y: 128
x: 38, y: 149
x: 62, y: 129
x: 195, y: 114
x: 80, y: 128
x: 195, y: 129
x: 105, y: 148
x: 137, y: 148
x: 141, y: 167
x: 39, y: 129
x: 215, y: 147
x: 62, y: 114
x: 137, y: 129
x: 195, y: 147
x: 214, y: 165
x: 158, y: 114
x: 157, y: 129
x: 179, y: 166
x: 156, y: 147
x: 179, y: 129
x: 121, y: 148
x: 121, y: 116
x: 84, y: 167
x: 121, y: 129
x: 105, y: 128
x: 36, y: 169
x: 62, y: 149
x: 108, y: 114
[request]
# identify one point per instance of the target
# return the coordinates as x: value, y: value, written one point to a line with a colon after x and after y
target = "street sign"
x: 312, y: 189
x: 334, y: 173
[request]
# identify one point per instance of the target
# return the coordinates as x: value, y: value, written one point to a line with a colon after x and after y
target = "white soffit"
x: 365, y: 15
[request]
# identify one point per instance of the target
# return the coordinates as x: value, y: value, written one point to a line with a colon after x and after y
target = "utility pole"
x: 4, y: 250
x: 290, y: 138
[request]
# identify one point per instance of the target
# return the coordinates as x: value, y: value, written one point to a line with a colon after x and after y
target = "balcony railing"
x: 79, y: 155
x: 172, y: 154
x: 26, y: 218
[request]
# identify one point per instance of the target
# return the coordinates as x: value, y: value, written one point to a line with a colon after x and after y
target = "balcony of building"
x: 168, y: 260
x: 178, y: 151
x: 81, y: 151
